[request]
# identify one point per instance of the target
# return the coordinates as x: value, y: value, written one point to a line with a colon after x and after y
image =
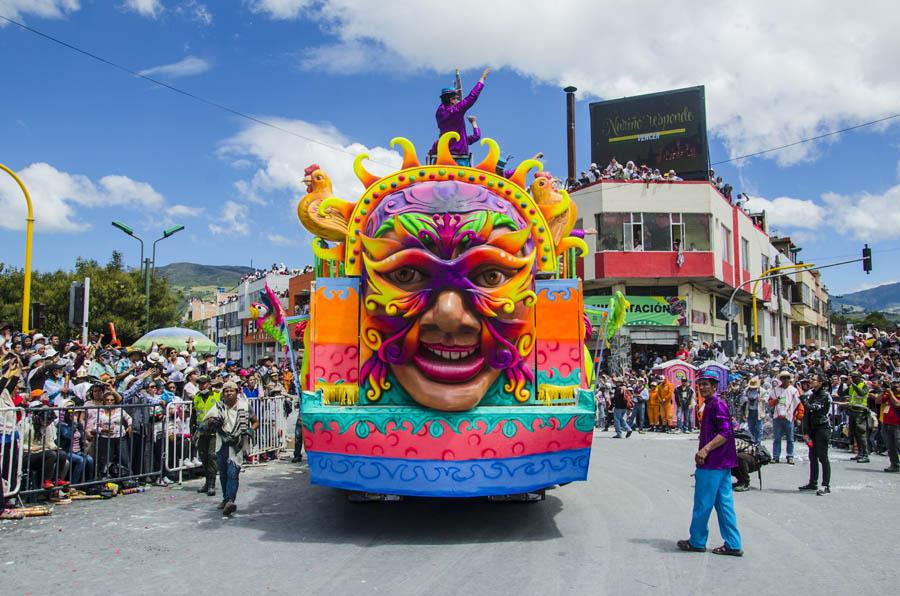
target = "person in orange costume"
x: 653, y: 406
x: 666, y: 402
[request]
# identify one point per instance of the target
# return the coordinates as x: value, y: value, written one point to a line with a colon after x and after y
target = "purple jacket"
x: 453, y: 118
x: 717, y: 421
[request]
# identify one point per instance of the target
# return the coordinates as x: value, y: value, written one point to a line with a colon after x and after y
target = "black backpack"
x: 759, y: 452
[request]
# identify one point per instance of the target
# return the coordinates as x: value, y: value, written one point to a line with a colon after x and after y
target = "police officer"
x: 204, y: 400
x: 857, y: 405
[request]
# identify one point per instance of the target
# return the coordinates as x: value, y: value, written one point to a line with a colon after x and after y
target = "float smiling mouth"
x: 449, y: 364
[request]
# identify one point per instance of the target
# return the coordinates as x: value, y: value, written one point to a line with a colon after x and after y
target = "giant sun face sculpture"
x: 446, y: 259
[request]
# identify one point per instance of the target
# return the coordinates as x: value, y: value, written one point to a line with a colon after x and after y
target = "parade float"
x: 445, y: 351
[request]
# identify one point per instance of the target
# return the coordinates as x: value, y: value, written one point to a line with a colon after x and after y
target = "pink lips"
x: 449, y: 364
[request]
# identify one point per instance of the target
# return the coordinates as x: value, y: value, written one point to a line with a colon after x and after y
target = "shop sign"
x: 657, y: 311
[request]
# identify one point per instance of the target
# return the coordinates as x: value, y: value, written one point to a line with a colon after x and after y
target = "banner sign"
x: 662, y: 130
x: 657, y: 311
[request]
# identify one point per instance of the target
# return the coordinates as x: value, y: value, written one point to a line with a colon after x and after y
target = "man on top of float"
x: 450, y: 116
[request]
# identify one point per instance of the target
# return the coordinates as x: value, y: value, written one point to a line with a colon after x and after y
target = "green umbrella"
x: 175, y: 337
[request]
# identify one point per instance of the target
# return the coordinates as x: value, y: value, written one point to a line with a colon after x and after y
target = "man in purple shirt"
x: 712, y: 479
x: 451, y: 114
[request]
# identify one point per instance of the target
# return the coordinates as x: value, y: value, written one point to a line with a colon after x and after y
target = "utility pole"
x: 85, y: 311
x: 146, y: 295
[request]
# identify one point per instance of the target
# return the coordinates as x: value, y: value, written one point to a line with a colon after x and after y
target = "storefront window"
x: 657, y: 232
x: 696, y: 231
x: 610, y: 231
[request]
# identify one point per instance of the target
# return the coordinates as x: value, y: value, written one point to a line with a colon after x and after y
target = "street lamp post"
x: 29, y: 233
x: 151, y: 267
x: 144, y: 270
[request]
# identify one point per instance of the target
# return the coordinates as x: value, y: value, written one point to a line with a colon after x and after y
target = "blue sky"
x: 96, y: 144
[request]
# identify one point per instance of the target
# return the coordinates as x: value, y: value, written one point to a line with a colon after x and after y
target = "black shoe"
x: 220, y: 505
x: 863, y: 460
x: 824, y: 490
x: 617, y: 436
x: 741, y: 488
x: 229, y: 508
x: 628, y: 434
x: 212, y: 491
x: 809, y: 486
x: 776, y: 460
x: 203, y: 488
x: 892, y: 469
x: 790, y: 461
x: 296, y: 460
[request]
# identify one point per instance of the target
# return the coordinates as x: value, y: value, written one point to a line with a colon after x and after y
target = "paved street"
x: 613, y: 534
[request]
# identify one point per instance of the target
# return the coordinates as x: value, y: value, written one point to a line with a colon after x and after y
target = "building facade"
x: 678, y: 252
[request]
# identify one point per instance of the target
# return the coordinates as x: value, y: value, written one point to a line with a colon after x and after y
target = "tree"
x: 876, y: 319
x: 117, y: 296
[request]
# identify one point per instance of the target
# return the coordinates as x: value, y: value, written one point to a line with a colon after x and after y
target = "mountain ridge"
x: 883, y: 298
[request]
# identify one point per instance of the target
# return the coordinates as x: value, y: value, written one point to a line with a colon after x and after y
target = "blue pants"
x: 754, y: 425
x: 619, y: 420
x: 782, y: 427
x: 636, y: 420
x: 229, y: 475
x: 684, y: 419
x: 712, y: 488
x: 82, y: 468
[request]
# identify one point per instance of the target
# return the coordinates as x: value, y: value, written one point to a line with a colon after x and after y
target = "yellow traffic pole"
x: 29, y: 233
x: 756, y: 285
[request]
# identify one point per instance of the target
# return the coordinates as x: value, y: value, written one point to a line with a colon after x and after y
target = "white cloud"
x: 46, y: 9
x: 146, y: 8
x: 279, y: 240
x: 865, y: 216
x: 279, y: 9
x: 189, y: 66
x: 350, y: 57
x: 59, y: 198
x: 196, y: 12
x: 774, y: 71
x: 184, y: 211
x: 232, y: 220
x: 280, y: 159
x: 789, y: 212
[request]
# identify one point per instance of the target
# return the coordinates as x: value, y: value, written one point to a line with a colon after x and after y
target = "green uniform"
x: 206, y: 439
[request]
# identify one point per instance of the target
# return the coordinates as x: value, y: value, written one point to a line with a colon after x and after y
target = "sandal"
x: 686, y: 545
x: 724, y: 550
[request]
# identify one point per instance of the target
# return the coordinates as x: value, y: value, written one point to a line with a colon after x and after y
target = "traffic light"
x: 867, y: 259
x: 37, y: 315
x: 76, y: 304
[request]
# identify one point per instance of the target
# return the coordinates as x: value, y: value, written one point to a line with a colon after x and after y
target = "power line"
x: 180, y: 91
x: 801, y: 141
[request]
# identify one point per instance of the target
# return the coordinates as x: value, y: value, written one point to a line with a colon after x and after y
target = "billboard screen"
x: 662, y: 130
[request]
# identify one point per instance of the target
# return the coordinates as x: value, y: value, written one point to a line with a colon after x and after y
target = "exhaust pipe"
x: 570, y: 133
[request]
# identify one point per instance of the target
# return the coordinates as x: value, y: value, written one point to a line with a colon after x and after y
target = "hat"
x: 708, y: 375
x: 188, y: 371
x: 38, y: 337
x: 37, y: 393
x: 855, y: 373
x: 230, y: 363
x: 753, y: 383
x: 785, y: 374
x: 35, y: 359
x: 154, y: 357
x: 229, y: 385
x: 448, y: 91
x: 203, y: 379
x: 50, y: 353
x: 184, y: 354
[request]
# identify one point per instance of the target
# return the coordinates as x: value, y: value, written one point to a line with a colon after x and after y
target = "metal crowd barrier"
x: 11, y: 420
x: 86, y: 446
x: 179, y: 453
x: 271, y: 436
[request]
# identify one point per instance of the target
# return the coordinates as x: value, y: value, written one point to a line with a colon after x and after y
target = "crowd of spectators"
x: 276, y: 268
x: 83, y: 414
x: 860, y: 378
x: 628, y: 172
